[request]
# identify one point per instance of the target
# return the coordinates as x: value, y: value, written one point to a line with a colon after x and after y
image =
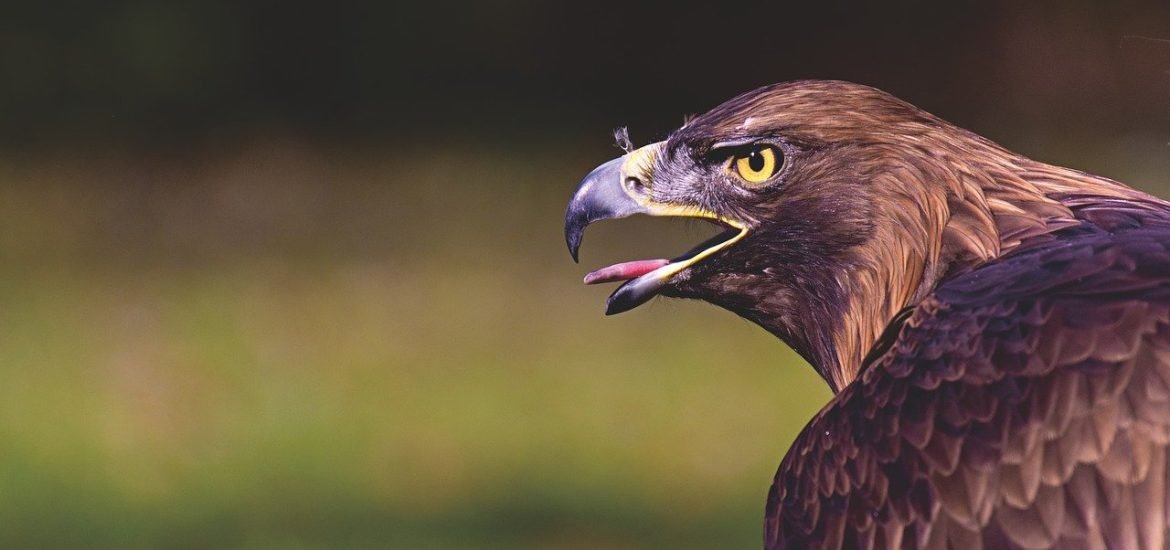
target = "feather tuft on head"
x: 621, y: 136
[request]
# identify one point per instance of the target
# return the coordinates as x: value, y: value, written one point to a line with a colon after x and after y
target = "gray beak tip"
x: 574, y: 230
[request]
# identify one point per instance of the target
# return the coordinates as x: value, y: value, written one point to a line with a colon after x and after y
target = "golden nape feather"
x: 996, y: 330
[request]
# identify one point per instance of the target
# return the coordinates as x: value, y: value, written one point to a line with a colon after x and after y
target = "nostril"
x: 635, y: 184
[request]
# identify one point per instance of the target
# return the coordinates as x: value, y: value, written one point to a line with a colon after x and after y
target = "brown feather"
x: 996, y: 330
x: 1040, y: 408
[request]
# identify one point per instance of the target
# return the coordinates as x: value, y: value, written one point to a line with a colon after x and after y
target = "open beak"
x: 621, y: 188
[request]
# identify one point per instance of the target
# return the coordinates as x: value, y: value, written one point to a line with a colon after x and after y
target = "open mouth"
x: 626, y: 271
x: 645, y: 278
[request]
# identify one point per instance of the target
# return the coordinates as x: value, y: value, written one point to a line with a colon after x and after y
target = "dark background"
x: 150, y: 71
x: 292, y: 275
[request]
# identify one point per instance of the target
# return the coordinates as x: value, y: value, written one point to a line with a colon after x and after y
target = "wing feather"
x: 1025, y: 404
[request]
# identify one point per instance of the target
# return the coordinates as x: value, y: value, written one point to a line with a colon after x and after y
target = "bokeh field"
x: 271, y: 343
x: 280, y: 346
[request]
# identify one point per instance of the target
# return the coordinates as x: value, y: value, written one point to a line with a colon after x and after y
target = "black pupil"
x: 756, y: 161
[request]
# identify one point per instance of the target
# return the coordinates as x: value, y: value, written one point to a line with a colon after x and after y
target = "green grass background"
x: 273, y: 344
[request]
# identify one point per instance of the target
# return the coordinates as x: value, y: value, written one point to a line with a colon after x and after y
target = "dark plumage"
x: 996, y: 329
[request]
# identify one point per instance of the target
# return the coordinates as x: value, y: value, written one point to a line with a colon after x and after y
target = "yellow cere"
x: 640, y: 162
x: 757, y: 165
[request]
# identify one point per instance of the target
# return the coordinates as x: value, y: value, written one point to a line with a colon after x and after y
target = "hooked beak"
x: 621, y: 188
x: 599, y: 196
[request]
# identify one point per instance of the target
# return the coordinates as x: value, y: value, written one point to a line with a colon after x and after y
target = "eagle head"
x: 840, y: 205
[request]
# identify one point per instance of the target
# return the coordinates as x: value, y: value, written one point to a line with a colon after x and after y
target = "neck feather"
x: 937, y: 222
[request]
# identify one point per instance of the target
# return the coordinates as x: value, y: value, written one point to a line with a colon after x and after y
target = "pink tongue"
x: 624, y: 271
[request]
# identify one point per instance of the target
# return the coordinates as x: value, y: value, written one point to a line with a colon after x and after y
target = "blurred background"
x: 292, y: 275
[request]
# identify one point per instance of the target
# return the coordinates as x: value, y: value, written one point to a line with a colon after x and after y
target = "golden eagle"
x: 996, y: 330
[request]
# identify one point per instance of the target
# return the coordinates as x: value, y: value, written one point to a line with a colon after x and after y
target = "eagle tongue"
x: 624, y: 271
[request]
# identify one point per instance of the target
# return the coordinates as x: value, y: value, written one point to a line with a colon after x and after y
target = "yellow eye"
x: 757, y: 164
